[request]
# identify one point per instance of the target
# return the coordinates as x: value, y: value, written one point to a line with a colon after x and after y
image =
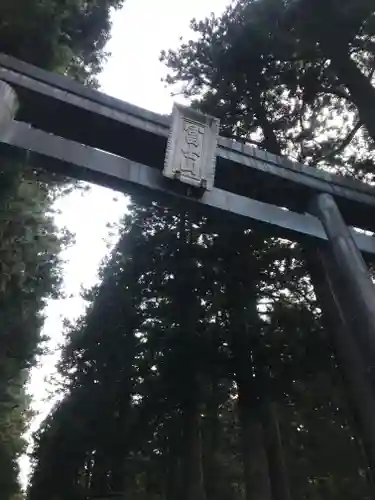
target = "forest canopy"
x: 67, y: 37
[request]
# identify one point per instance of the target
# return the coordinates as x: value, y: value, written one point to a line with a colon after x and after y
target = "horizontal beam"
x: 65, y: 108
x: 43, y: 150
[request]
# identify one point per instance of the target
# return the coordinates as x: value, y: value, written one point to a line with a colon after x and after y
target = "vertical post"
x: 8, y: 106
x: 347, y: 295
x: 353, y: 369
x: 352, y: 278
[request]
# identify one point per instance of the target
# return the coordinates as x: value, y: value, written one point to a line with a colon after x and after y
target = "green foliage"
x: 72, y: 40
x: 67, y: 37
x: 13, y: 418
x: 170, y: 373
x: 269, y: 82
x: 30, y: 274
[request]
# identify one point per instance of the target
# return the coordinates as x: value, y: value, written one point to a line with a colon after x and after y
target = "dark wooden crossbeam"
x: 58, y: 105
x: 44, y: 150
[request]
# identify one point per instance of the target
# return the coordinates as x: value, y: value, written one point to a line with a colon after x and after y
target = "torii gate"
x: 66, y: 127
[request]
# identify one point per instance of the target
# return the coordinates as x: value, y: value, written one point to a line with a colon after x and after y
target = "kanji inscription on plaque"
x: 191, y: 151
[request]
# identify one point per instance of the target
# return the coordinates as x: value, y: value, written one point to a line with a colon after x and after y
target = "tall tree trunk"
x: 189, y: 306
x: 212, y: 474
x: 244, y: 322
x: 275, y: 453
x: 193, y: 482
x: 88, y: 471
x: 255, y: 466
x: 117, y: 473
x: 172, y: 478
x: 99, y: 475
x: 173, y: 470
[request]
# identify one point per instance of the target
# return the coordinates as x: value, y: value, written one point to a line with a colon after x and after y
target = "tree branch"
x: 368, y: 45
x: 345, y: 143
x: 339, y: 92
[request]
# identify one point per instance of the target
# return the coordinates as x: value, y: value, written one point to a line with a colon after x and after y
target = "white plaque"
x: 191, y: 150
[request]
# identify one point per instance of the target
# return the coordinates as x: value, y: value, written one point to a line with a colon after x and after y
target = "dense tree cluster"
x: 67, y: 37
x: 203, y: 368
x: 64, y: 36
x: 272, y: 82
x: 194, y: 374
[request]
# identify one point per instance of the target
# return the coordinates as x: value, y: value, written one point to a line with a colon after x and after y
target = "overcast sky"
x: 133, y: 73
